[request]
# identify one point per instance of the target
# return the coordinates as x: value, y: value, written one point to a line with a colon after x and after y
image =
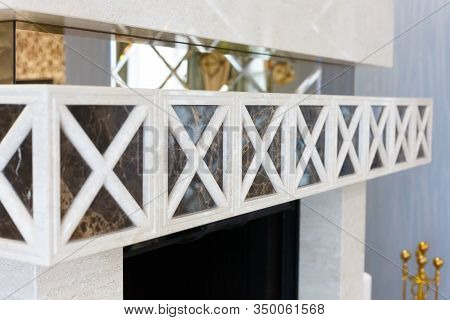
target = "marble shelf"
x: 88, y: 169
x: 343, y: 31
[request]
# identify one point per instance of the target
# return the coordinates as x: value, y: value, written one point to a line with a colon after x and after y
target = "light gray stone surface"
x: 346, y: 30
x: 98, y: 277
x: 332, y: 228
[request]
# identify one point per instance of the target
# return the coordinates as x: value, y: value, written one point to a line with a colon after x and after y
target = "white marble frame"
x: 146, y: 225
x: 390, y: 135
x: 47, y: 246
x: 33, y: 229
x: 222, y: 211
x: 284, y: 102
x: 359, y: 122
x: 328, y: 106
x: 407, y: 126
x: 424, y: 127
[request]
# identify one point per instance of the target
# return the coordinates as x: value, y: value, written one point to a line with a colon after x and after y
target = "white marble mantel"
x: 338, y: 30
x: 344, y: 31
x: 398, y: 129
x: 403, y: 129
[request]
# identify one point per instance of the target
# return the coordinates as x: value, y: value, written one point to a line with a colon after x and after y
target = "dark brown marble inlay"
x: 101, y: 124
x: 261, y: 185
x: 18, y: 171
x: 248, y: 152
x: 214, y: 158
x: 129, y: 168
x: 275, y: 151
x: 8, y: 229
x: 195, y: 119
x: 196, y: 199
x: 104, y: 216
x: 74, y: 173
x: 176, y: 161
x: 261, y: 116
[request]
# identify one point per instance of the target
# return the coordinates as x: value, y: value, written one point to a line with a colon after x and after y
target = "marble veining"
x: 195, y: 119
x: 101, y: 124
x: 103, y: 216
x: 66, y: 133
x: 176, y: 161
x: 248, y: 152
x: 310, y: 114
x: 261, y: 116
x: 196, y: 199
x: 18, y: 172
x: 8, y: 229
x: 261, y: 185
x: 129, y: 168
x: 275, y: 151
x: 214, y: 158
x: 74, y: 173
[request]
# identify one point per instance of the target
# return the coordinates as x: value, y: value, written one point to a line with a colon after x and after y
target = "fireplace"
x: 254, y: 256
x: 177, y: 170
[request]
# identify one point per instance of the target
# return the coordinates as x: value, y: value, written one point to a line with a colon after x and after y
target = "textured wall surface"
x: 414, y: 205
x: 97, y: 277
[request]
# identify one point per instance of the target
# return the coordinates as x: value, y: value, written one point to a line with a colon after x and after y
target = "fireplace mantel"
x: 343, y: 31
x: 113, y: 167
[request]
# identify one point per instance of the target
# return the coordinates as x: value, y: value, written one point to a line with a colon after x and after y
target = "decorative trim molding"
x: 276, y: 147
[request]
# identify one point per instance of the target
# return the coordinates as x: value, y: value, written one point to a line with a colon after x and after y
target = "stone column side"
x: 331, y: 259
x: 96, y: 277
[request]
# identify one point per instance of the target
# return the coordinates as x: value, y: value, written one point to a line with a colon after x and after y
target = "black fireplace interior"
x: 253, y: 256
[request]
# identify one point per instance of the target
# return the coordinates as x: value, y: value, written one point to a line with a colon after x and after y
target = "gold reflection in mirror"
x: 178, y: 62
x: 282, y: 72
x: 40, y: 57
x: 215, y: 70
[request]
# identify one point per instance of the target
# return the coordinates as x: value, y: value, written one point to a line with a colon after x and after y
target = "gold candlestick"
x: 405, y: 255
x: 438, y: 263
x: 420, y: 283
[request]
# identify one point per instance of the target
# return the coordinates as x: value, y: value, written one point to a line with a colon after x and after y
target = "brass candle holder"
x: 421, y: 282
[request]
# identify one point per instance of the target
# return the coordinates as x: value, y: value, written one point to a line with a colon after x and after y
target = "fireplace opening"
x: 253, y: 256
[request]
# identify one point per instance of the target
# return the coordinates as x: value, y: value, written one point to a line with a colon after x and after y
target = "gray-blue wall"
x: 414, y: 205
